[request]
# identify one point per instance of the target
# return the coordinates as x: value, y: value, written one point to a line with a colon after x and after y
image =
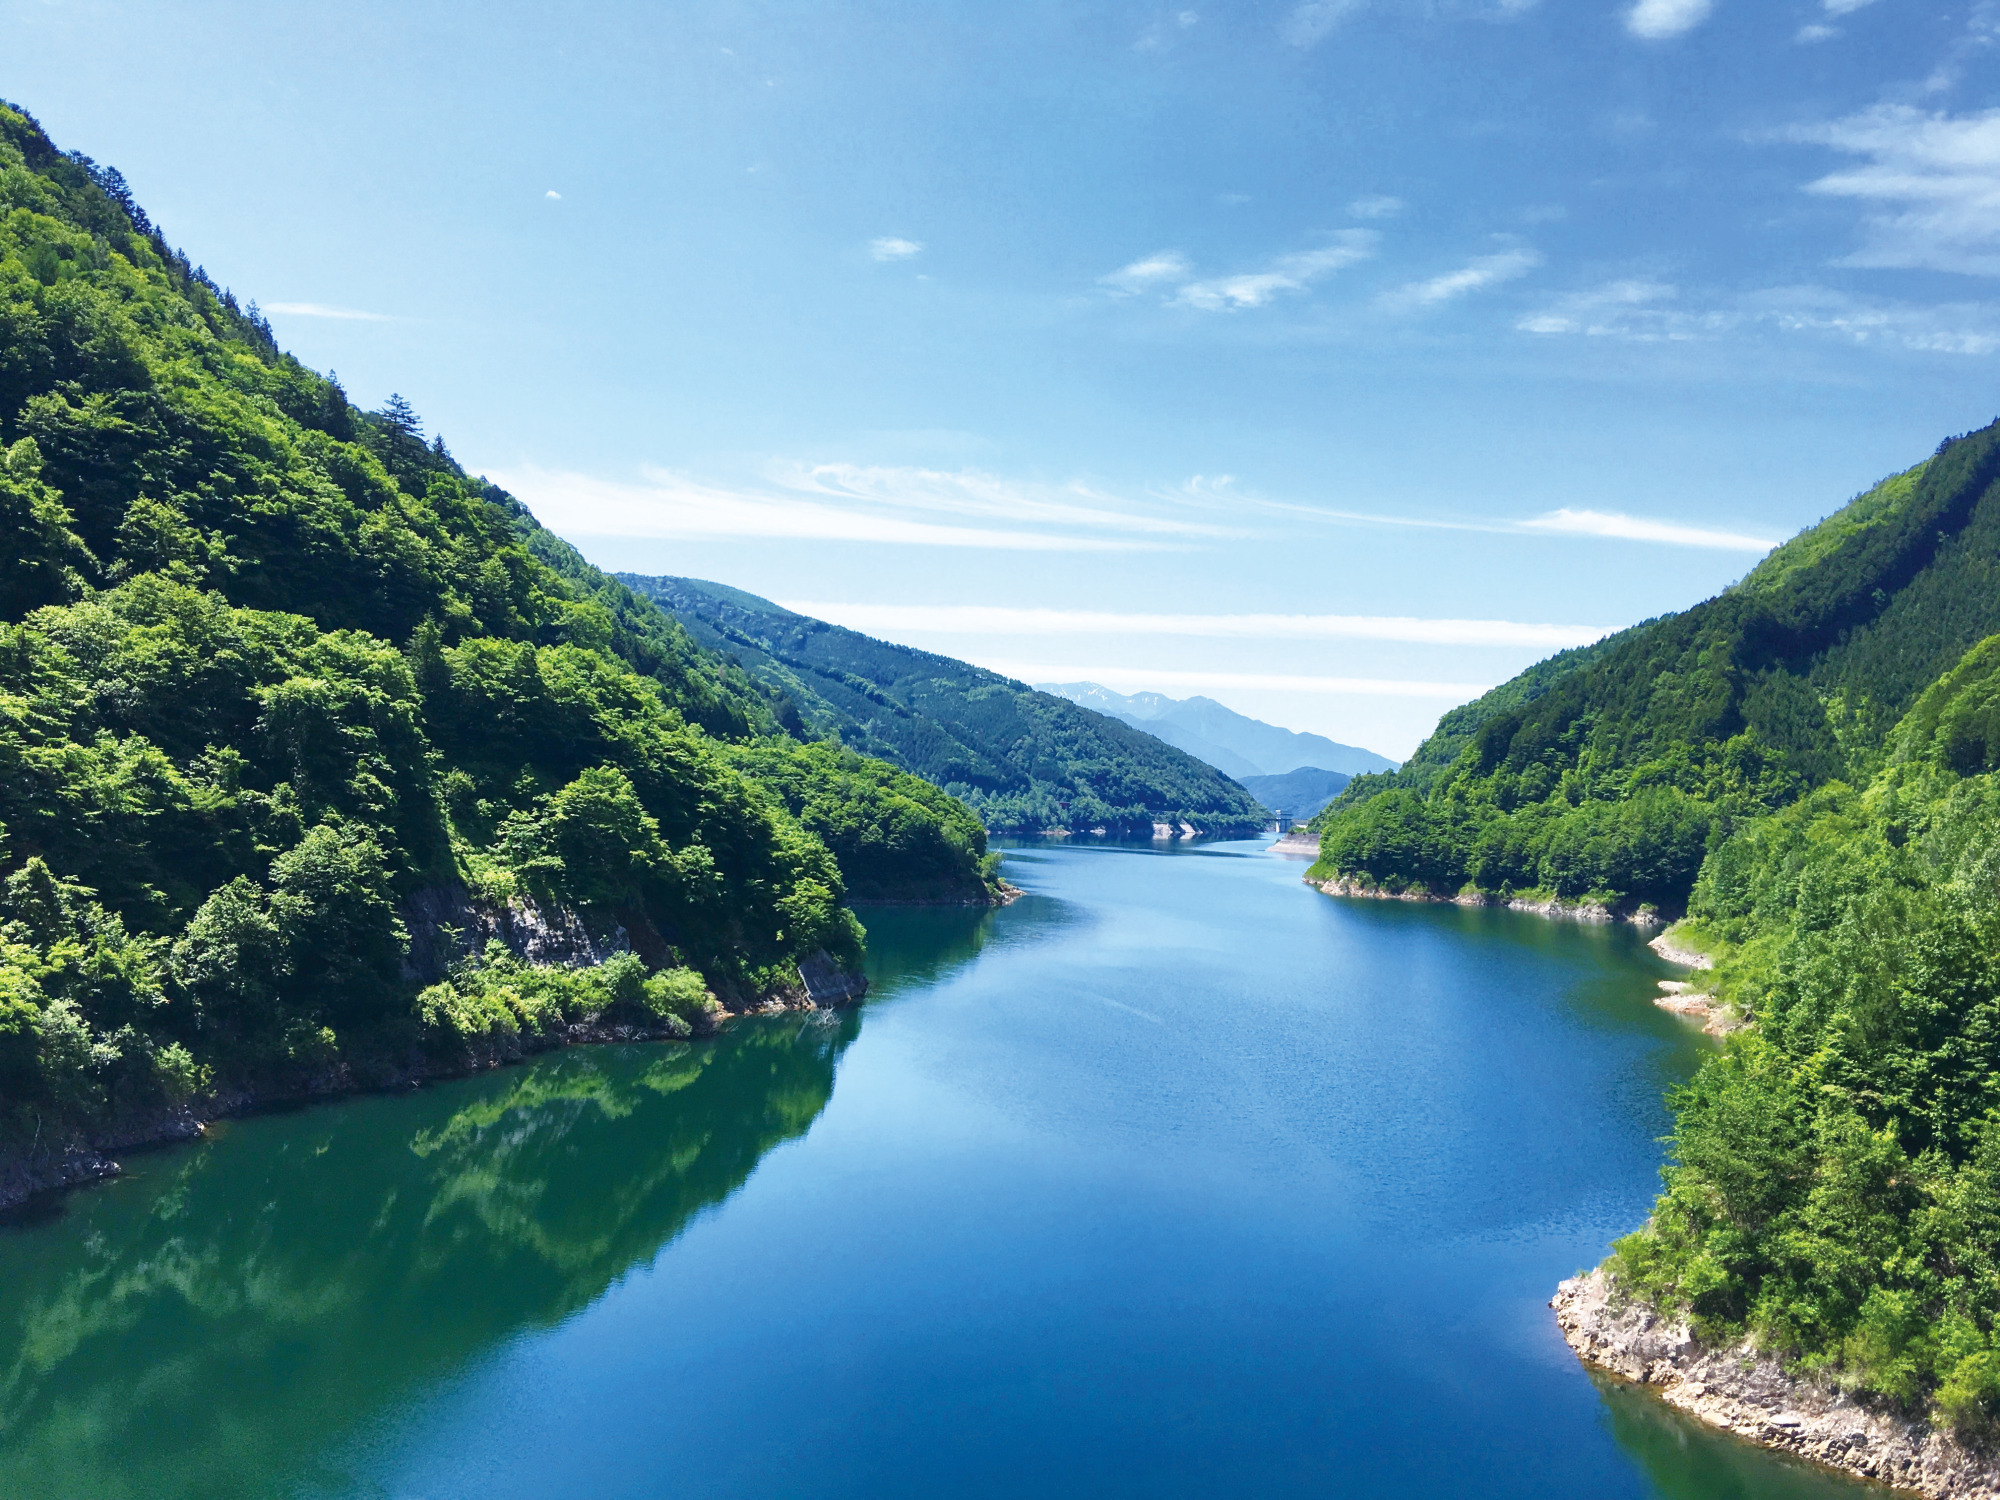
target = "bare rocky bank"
x: 1752, y: 1395
x: 1571, y: 911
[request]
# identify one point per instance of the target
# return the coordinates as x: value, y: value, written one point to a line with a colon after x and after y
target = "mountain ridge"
x: 1025, y: 760
x: 1233, y: 743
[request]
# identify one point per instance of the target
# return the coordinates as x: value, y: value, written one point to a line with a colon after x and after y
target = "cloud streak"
x: 1288, y: 273
x: 1148, y: 678
x: 1656, y: 20
x: 1639, y: 529
x: 1486, y: 271
x: 1930, y: 180
x: 989, y: 620
x: 670, y: 505
x: 890, y: 247
x: 321, y: 310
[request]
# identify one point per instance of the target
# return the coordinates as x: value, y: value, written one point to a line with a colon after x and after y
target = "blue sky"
x: 1333, y: 359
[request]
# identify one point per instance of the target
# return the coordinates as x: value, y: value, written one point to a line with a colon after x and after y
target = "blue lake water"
x: 1175, y: 1178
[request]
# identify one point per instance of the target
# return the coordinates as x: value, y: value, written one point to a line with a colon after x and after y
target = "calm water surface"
x: 1175, y: 1178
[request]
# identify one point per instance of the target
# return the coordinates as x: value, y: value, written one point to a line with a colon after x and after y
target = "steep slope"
x: 1233, y: 743
x: 294, y: 713
x: 1834, y: 1188
x: 1610, y: 771
x: 1025, y: 760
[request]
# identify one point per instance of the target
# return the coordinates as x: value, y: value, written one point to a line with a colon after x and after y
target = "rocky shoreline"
x: 1567, y: 911
x: 1751, y: 1394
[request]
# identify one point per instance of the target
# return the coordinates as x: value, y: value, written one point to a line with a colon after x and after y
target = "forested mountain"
x: 1611, y: 771
x: 1235, y: 744
x: 1026, y: 760
x: 1834, y: 1188
x: 283, y: 688
x: 1298, y: 794
x: 1811, y: 761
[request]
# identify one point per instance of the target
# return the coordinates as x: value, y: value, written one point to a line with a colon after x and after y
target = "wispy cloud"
x: 1309, y: 24
x: 1288, y: 273
x: 1380, y: 206
x: 1640, y: 529
x: 1146, y: 679
x: 856, y: 503
x: 1632, y: 308
x: 889, y: 247
x: 1657, y: 19
x: 1645, y: 311
x: 1815, y: 33
x: 990, y: 620
x: 970, y: 492
x: 321, y: 310
x: 1845, y: 7
x: 1485, y: 271
x: 1162, y: 268
x: 1932, y: 179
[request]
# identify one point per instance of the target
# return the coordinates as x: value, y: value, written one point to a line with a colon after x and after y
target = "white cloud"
x: 969, y: 492
x: 1379, y: 206
x: 1642, y: 311
x: 859, y: 503
x: 1163, y: 268
x: 1816, y: 33
x: 1288, y: 273
x: 1309, y: 24
x: 552, y: 194
x: 321, y: 310
x: 1146, y: 678
x: 1656, y: 19
x: 1845, y: 7
x: 1639, y: 529
x: 1932, y: 179
x: 988, y: 620
x: 889, y: 247
x: 1487, y: 270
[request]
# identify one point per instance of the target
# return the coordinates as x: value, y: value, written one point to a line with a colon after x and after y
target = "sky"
x: 1335, y: 359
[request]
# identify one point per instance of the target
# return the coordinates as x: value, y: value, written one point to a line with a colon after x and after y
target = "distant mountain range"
x: 1300, y: 793
x: 1024, y: 760
x: 1236, y: 745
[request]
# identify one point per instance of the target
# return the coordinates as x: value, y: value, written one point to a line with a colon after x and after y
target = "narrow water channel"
x: 1175, y: 1178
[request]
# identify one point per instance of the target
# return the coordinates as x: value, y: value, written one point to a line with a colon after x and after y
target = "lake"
x: 1175, y: 1178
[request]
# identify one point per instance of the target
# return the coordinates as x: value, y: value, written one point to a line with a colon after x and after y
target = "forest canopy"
x: 280, y: 680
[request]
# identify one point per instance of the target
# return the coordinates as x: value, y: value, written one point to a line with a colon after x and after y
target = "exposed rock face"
x: 1752, y: 1395
x: 1298, y: 841
x: 447, y: 922
x: 1568, y: 911
x: 1687, y: 958
x: 827, y: 986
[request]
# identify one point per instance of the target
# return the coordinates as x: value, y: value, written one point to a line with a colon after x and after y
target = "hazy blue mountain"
x: 1299, y: 793
x: 1233, y: 743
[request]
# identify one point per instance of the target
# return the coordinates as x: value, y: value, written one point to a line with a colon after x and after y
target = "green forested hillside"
x: 1611, y: 771
x: 1025, y: 760
x: 1835, y: 1182
x: 271, y: 667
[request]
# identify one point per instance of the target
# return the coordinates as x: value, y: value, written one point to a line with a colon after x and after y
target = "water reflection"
x: 1688, y: 1461
x: 204, y: 1328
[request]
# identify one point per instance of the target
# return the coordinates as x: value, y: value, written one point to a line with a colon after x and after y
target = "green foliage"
x: 1023, y: 760
x: 1614, y: 769
x: 895, y: 835
x: 271, y: 666
x: 1835, y: 1178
